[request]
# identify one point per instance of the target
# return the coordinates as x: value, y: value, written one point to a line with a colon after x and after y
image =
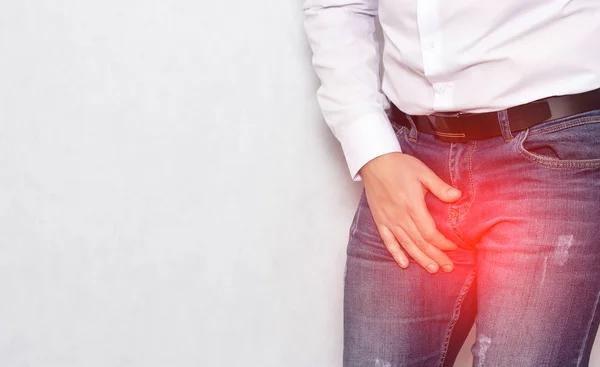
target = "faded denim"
x: 527, y: 270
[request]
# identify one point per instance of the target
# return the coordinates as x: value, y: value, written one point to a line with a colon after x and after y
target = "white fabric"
x: 440, y: 56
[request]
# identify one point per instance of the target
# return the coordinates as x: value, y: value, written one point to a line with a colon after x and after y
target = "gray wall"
x: 169, y: 194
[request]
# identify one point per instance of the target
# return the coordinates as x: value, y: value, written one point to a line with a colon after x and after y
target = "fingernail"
x: 432, y: 268
x: 403, y: 263
x: 453, y: 192
x: 447, y: 268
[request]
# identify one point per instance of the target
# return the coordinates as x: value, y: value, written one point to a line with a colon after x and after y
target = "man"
x: 479, y: 152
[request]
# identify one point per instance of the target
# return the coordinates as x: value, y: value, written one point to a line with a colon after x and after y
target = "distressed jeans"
x: 527, y: 267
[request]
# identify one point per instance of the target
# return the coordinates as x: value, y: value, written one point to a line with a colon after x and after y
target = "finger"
x: 414, y: 251
x: 438, y: 187
x: 431, y: 251
x: 393, y: 246
x: 426, y: 226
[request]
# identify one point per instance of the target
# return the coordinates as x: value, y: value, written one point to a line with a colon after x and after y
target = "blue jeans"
x: 527, y: 270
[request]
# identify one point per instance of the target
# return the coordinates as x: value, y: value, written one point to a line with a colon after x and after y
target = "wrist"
x: 374, y: 165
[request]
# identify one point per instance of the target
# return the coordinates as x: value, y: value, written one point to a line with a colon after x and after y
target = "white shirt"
x: 440, y: 56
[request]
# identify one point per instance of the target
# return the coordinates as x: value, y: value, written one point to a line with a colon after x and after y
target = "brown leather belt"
x: 461, y: 127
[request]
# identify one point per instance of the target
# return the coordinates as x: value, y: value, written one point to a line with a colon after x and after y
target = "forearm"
x: 346, y: 58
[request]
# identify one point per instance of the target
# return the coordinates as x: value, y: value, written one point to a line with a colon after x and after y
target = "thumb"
x: 440, y: 189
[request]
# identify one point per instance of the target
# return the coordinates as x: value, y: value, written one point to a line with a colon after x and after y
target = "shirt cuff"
x: 365, y: 139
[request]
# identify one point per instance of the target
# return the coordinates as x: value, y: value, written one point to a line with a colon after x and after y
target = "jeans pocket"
x: 570, y: 142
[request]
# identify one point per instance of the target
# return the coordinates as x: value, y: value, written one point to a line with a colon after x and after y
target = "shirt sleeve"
x: 346, y: 59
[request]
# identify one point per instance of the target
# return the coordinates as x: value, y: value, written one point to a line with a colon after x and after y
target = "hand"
x: 395, y: 188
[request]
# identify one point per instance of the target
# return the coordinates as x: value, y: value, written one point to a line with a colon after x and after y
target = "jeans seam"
x: 450, y: 163
x: 471, y: 182
x: 356, y: 218
x: 453, y: 213
x: 456, y: 315
x: 564, y: 125
x: 454, y: 221
x: 587, y: 334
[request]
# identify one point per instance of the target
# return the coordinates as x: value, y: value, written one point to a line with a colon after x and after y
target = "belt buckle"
x: 440, y: 119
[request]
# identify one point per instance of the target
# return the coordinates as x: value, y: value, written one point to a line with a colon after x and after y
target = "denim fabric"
x: 527, y: 270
